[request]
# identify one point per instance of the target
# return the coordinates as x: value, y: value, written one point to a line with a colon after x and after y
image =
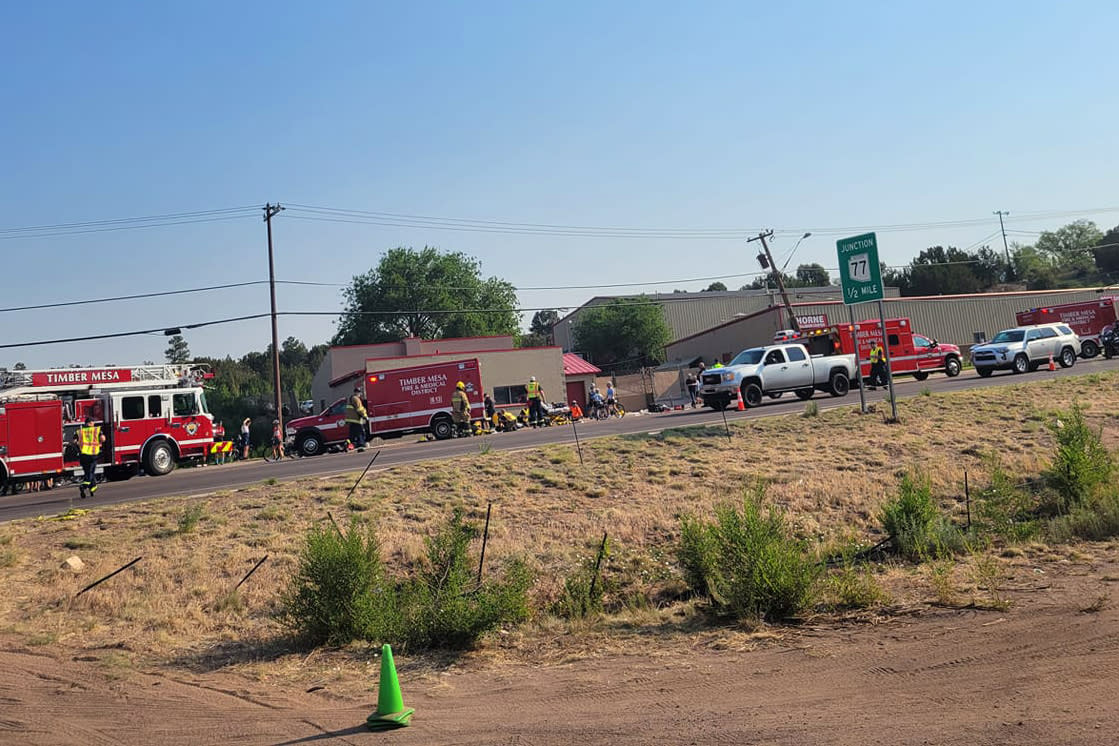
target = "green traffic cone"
x: 390, y: 705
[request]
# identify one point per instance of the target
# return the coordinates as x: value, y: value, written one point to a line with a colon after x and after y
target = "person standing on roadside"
x: 535, y: 398
x: 246, y: 437
x: 692, y: 384
x: 89, y: 439
x: 460, y: 409
x: 877, y: 365
x: 355, y: 418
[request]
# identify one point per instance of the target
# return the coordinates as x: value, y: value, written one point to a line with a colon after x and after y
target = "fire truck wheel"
x: 921, y: 375
x: 805, y: 394
x: 952, y: 367
x: 442, y: 428
x: 1089, y: 349
x: 310, y: 444
x: 159, y: 459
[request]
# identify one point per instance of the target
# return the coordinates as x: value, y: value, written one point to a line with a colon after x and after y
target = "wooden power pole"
x: 270, y: 211
x: 777, y: 274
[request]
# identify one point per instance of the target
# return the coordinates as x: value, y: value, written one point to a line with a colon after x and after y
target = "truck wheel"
x: 159, y: 459
x: 752, y: 395
x: 1068, y: 358
x: 309, y: 444
x: 1089, y: 349
x: 442, y: 428
x: 921, y: 375
x: 1021, y: 363
x: 952, y: 367
x: 805, y: 394
x: 984, y: 372
x: 839, y: 384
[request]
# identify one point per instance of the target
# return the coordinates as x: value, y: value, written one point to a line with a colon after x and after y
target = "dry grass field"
x: 830, y: 472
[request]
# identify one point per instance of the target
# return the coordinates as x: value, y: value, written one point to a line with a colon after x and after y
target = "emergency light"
x: 372, y: 379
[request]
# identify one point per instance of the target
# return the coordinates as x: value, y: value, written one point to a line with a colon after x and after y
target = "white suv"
x: 1026, y: 348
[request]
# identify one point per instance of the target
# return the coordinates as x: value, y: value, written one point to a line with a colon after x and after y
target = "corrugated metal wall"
x: 689, y: 313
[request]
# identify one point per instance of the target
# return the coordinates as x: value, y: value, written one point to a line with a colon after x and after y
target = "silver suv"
x: 1026, y: 348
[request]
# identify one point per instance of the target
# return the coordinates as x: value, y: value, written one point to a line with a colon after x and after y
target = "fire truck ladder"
x: 14, y: 383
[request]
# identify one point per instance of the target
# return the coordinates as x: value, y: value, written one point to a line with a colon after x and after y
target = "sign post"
x: 860, y: 275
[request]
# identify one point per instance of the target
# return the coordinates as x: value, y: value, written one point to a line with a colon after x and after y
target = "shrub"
x: 811, y: 409
x: 330, y: 597
x: 747, y: 563
x: 853, y: 587
x: 915, y: 526
x: 1004, y: 508
x: 1095, y: 520
x: 341, y: 591
x: 447, y: 608
x: 1082, y: 463
x: 583, y: 590
x: 188, y: 521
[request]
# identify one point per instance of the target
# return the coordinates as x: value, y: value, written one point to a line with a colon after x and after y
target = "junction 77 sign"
x: 859, y: 271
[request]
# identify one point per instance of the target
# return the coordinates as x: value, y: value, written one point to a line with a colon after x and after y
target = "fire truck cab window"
x: 774, y: 358
x: 132, y: 408
x: 155, y: 406
x: 892, y: 340
x: 184, y: 405
x: 921, y: 342
x: 795, y: 354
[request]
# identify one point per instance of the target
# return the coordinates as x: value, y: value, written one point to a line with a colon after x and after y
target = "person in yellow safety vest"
x: 355, y: 418
x: 89, y: 439
x: 535, y: 402
x: 716, y: 364
x: 877, y: 365
x: 460, y: 409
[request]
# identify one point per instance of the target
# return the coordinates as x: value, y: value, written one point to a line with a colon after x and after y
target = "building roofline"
x: 400, y: 341
x: 463, y: 352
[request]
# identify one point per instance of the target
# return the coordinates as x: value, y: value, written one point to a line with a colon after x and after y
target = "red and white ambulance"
x: 1087, y: 318
x: 910, y: 353
x: 152, y: 417
x: 400, y: 401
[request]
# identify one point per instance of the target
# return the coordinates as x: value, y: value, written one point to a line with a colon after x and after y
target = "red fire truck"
x: 1087, y: 318
x: 910, y: 353
x: 405, y: 400
x: 152, y: 416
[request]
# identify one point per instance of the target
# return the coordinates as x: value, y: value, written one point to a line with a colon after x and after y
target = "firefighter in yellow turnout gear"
x: 355, y: 418
x: 877, y: 365
x: 89, y: 439
x: 460, y: 409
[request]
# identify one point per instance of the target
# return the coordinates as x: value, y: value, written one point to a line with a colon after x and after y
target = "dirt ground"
x: 1042, y: 670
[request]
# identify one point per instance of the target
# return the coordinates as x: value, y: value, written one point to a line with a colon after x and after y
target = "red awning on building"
x: 573, y: 365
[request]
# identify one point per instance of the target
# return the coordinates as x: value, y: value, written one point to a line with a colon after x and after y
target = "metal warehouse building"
x: 689, y: 313
x: 949, y: 318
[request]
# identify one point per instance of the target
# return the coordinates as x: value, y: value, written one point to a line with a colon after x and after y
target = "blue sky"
x: 653, y: 115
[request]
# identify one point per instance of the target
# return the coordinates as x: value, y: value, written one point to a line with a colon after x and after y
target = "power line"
x: 146, y: 218
x: 61, y: 304
x: 25, y: 234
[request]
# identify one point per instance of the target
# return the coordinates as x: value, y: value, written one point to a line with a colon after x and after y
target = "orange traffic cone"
x: 1052, y: 365
x: 741, y: 404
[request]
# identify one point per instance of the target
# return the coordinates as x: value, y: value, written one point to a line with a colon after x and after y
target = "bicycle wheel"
x: 621, y: 411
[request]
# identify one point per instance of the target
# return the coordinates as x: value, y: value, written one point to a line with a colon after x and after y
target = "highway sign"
x: 859, y: 272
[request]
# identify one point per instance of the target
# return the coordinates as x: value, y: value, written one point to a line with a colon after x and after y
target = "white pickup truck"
x: 773, y: 370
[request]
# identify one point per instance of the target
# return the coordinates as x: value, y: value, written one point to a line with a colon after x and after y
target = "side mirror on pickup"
x: 935, y: 343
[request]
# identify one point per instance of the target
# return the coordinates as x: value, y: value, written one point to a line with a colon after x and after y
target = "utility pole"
x: 777, y: 274
x: 1006, y: 248
x: 271, y: 211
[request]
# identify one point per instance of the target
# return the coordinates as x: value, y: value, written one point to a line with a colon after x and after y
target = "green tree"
x: 812, y: 275
x: 426, y: 294
x: 1070, y: 248
x: 625, y: 333
x: 178, y: 351
x: 1033, y: 267
x: 1106, y: 254
x: 715, y: 287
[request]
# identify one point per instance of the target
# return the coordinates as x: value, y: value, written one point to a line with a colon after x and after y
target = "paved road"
x: 200, y: 481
